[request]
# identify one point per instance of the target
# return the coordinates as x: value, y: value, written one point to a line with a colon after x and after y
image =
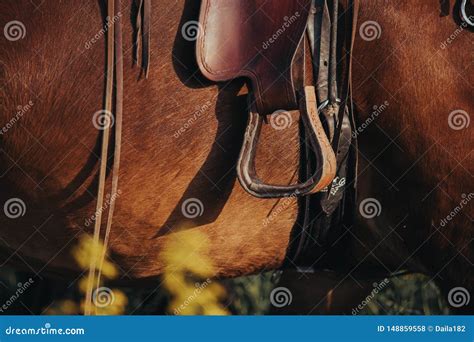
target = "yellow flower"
x: 111, y: 302
x: 89, y: 250
x: 186, y: 265
x: 65, y: 307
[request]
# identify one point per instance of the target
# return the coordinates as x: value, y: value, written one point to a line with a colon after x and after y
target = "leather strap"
x: 321, y: 19
x: 142, y: 39
x: 118, y: 136
x: 333, y: 95
x: 325, y: 211
x: 104, y: 151
x: 333, y: 202
x: 113, y: 103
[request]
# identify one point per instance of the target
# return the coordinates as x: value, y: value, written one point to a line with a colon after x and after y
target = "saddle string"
x: 118, y: 136
x: 138, y: 23
x: 113, y: 103
x: 104, y: 151
x: 114, y: 94
x: 142, y: 39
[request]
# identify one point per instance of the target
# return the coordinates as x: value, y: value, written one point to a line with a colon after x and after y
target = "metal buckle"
x: 324, y: 104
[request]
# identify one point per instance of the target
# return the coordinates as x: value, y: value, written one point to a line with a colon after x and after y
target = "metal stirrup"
x: 320, y: 147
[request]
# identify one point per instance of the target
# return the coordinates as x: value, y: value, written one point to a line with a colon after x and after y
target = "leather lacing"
x: 113, y: 107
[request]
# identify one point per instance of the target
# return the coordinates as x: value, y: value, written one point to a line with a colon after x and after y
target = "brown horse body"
x: 182, y: 136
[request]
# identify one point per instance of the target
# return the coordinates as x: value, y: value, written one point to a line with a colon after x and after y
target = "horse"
x: 182, y: 135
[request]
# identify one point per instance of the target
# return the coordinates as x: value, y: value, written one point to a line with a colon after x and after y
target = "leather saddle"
x: 260, y: 40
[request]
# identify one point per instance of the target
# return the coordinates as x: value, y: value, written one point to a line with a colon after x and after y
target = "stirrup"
x: 325, y: 170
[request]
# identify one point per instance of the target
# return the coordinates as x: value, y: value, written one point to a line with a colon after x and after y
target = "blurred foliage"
x: 91, y: 254
x: 405, y: 295
x: 411, y: 294
x: 187, y: 276
x: 250, y: 295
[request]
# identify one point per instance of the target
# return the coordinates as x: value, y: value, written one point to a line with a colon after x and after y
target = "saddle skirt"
x: 256, y: 39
